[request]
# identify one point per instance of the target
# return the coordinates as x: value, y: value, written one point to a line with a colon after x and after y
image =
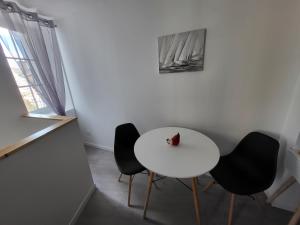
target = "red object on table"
x: 175, y: 140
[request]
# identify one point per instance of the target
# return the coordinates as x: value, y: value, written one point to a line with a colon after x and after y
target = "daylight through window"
x: 21, y: 65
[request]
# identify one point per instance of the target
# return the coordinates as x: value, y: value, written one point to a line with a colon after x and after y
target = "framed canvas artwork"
x: 182, y: 52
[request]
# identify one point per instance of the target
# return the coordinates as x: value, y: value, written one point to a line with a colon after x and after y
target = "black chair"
x: 249, y: 169
x: 125, y: 138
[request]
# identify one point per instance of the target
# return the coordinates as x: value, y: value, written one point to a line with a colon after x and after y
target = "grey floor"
x: 172, y: 203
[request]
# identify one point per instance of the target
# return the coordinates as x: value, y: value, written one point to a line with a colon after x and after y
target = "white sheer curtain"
x: 36, y: 38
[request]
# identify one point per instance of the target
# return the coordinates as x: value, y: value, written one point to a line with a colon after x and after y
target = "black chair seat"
x: 238, y: 176
x: 130, y: 166
x: 249, y: 169
x: 125, y: 138
x: 127, y: 162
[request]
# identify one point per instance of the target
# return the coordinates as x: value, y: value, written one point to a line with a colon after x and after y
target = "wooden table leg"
x: 282, y: 188
x: 296, y: 217
x: 150, y: 178
x: 196, y: 199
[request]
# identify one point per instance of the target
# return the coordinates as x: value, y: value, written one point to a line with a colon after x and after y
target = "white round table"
x: 195, y: 155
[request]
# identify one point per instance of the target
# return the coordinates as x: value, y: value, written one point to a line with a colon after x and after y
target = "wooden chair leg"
x: 120, y: 177
x: 129, y: 189
x: 196, y: 199
x: 230, y: 210
x: 150, y: 178
x: 290, y: 181
x: 209, y: 185
x: 296, y: 217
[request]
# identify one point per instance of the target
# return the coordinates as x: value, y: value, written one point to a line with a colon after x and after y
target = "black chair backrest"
x: 261, y: 150
x: 125, y: 138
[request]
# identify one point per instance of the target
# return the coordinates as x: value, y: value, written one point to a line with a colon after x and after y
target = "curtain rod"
x: 29, y: 14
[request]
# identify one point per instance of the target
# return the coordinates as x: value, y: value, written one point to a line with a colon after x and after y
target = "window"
x: 20, y: 64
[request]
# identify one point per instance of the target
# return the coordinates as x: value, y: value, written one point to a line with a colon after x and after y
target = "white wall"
x: 47, y: 181
x: 110, y: 50
x: 290, y: 51
x: 290, y: 199
x: 20, y: 128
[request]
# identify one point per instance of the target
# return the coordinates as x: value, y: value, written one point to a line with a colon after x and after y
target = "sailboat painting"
x: 182, y: 52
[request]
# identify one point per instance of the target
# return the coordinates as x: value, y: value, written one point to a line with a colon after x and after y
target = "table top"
x: 195, y: 155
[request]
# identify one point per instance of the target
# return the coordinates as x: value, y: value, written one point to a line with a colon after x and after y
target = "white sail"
x: 171, y: 53
x: 164, y: 45
x: 198, y: 46
x: 188, y: 48
x: 182, y: 40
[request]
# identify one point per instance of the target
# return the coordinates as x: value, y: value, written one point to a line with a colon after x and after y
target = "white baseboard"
x: 82, y: 205
x: 106, y: 148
